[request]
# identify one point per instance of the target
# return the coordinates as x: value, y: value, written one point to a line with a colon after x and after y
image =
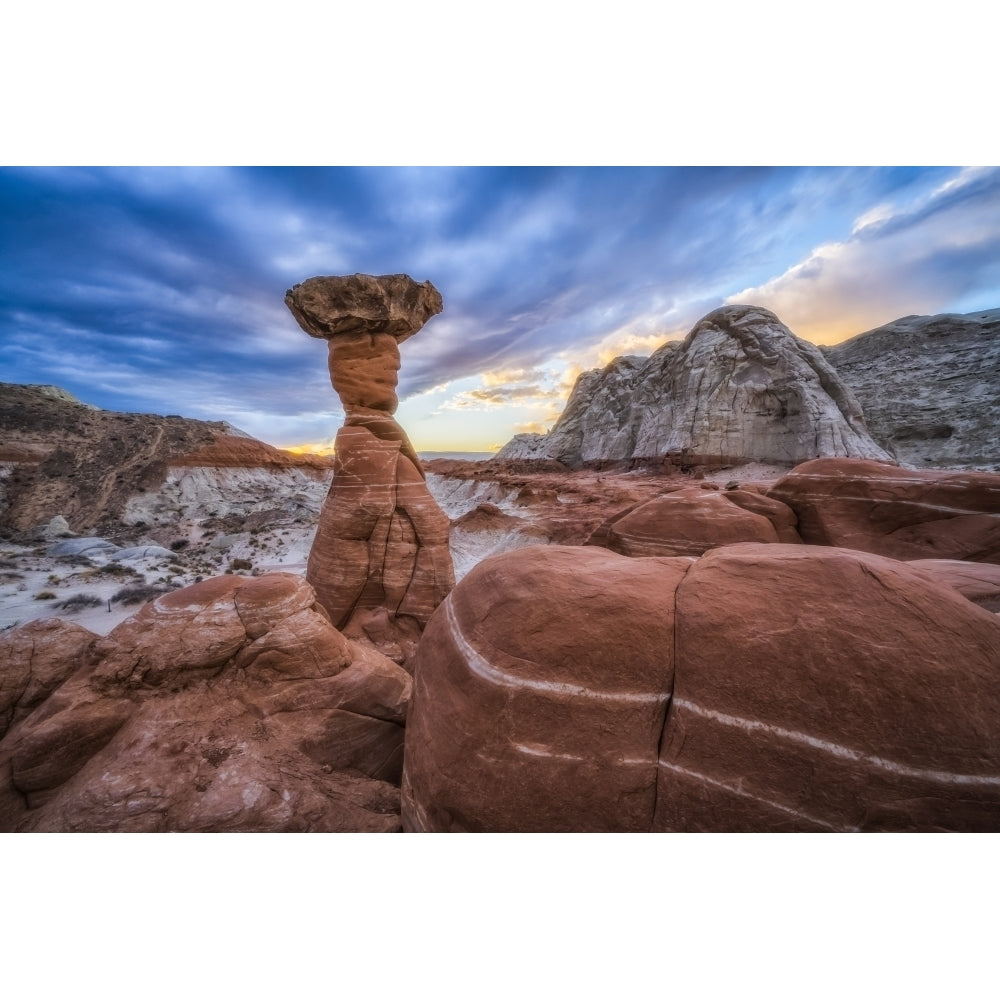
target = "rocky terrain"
x: 740, y: 388
x: 929, y: 387
x: 61, y: 457
x: 233, y: 704
x: 689, y: 643
x: 769, y: 687
x: 923, y: 390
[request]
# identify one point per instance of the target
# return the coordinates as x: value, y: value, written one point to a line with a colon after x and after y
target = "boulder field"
x: 761, y: 687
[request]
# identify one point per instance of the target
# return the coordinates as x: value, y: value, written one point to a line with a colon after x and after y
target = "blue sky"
x: 161, y: 289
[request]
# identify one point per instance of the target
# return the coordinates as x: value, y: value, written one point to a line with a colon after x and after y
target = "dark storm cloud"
x: 162, y: 289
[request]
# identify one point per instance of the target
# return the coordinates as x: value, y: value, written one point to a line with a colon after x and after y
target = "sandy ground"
x: 34, y: 583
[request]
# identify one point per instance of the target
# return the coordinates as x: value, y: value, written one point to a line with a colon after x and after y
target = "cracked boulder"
x: 233, y: 704
x: 760, y: 687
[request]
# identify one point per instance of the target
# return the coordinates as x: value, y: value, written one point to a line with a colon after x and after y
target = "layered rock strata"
x: 740, y: 388
x: 929, y: 387
x: 758, y: 688
x: 901, y: 513
x: 382, y: 540
x: 98, y: 468
x: 232, y: 704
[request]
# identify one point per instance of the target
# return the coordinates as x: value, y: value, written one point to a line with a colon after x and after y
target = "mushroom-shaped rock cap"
x: 363, y: 303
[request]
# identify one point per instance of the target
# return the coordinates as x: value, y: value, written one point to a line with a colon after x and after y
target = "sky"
x: 161, y: 290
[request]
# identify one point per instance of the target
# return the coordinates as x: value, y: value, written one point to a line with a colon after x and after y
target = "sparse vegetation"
x: 45, y: 595
x: 179, y: 543
x: 115, y: 569
x: 139, y: 594
x: 238, y: 564
x: 77, y: 560
x: 80, y: 601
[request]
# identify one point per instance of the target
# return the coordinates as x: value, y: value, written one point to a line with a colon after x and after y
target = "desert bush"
x: 179, y: 543
x: 44, y: 595
x: 77, y: 560
x: 237, y: 564
x: 140, y: 593
x: 80, y: 601
x: 116, y: 569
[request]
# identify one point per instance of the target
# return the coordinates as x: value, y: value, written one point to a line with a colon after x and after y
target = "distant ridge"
x: 922, y: 390
x: 59, y: 456
x: 740, y: 388
x: 930, y: 387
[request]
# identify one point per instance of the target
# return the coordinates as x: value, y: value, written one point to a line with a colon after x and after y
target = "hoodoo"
x: 382, y: 541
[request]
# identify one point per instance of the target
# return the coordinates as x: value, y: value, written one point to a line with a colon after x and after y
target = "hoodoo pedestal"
x: 382, y: 540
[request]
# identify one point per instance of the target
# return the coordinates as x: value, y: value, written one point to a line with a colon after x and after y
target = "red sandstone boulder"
x: 34, y: 660
x: 901, y: 513
x: 526, y: 713
x: 761, y: 687
x: 691, y: 520
x: 230, y: 705
x: 979, y: 582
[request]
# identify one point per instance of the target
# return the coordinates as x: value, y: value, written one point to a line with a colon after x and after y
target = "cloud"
x: 500, y: 396
x: 897, y: 261
x: 532, y: 427
x: 149, y: 288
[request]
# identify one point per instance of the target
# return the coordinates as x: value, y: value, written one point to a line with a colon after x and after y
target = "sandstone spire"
x: 382, y: 540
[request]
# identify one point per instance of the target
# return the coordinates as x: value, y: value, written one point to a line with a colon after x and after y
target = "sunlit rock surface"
x: 740, y: 388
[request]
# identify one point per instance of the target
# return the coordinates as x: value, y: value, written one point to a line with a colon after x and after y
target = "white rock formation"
x: 930, y: 388
x: 196, y: 492
x: 740, y: 388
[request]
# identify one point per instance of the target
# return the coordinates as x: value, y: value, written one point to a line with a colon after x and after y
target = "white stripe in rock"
x: 836, y: 750
x: 482, y: 668
x: 744, y: 794
x: 537, y: 751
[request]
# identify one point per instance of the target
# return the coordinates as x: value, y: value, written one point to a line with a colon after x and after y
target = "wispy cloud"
x: 917, y: 257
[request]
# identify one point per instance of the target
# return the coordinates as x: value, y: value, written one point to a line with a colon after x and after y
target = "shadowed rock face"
x: 900, y: 513
x: 326, y: 307
x: 930, y: 387
x: 382, y: 540
x: 758, y: 688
